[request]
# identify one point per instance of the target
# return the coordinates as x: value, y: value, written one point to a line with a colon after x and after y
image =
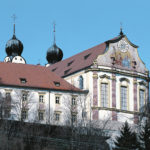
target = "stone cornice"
x: 117, y: 110
x: 131, y: 74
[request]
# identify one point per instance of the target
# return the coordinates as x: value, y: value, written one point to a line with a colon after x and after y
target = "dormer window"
x: 70, y: 63
x: 86, y: 56
x: 54, y: 69
x: 66, y: 72
x: 57, y: 83
x: 23, y: 80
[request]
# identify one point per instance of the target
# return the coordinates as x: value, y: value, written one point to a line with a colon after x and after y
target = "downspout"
x: 49, y: 108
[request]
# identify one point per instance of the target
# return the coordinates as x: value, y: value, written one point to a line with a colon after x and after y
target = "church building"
x: 106, y: 82
x: 115, y: 76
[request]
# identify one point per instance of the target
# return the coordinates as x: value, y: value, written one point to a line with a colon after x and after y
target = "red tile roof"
x: 78, y: 62
x: 32, y: 76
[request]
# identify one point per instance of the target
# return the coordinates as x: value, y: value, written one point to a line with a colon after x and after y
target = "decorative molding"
x: 42, y: 93
x: 8, y: 90
x: 105, y: 76
x: 124, y: 79
x: 130, y: 74
x: 142, y: 83
x: 117, y: 110
x: 113, y: 78
x: 56, y: 111
x: 95, y: 76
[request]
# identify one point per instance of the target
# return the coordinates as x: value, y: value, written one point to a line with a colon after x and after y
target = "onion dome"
x: 14, y: 47
x: 54, y: 54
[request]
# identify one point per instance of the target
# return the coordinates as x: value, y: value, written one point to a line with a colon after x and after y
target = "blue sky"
x: 80, y: 24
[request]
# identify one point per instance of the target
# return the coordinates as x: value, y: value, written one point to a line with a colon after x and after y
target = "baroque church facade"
x: 106, y: 82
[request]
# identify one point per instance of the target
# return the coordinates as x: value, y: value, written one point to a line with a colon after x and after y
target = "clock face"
x: 123, y: 46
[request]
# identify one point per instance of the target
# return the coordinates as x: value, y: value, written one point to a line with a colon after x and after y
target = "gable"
x: 122, y: 54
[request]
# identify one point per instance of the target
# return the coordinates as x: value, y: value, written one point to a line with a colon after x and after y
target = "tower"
x: 54, y: 53
x: 14, y: 48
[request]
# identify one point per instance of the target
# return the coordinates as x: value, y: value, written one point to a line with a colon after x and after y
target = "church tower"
x: 14, y: 48
x: 54, y: 53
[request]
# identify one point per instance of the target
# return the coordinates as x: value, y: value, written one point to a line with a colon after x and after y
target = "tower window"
x: 123, y: 97
x: 81, y: 82
x: 104, y: 94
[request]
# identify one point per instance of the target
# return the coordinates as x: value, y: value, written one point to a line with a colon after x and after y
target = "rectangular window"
x: 57, y: 99
x: 74, y: 118
x: 24, y: 114
x: 24, y: 97
x: 124, y: 98
x: 57, y: 116
x: 142, y: 99
x: 6, y: 113
x: 7, y: 95
x: 41, y: 98
x: 41, y: 115
x: 73, y: 101
x: 84, y: 114
x: 104, y: 94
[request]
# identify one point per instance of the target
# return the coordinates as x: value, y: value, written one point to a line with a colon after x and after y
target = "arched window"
x: 81, y: 82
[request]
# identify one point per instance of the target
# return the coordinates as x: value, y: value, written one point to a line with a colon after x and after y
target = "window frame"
x: 105, y: 104
x: 74, y: 118
x: 144, y: 90
x: 57, y: 116
x: 81, y: 82
x: 73, y: 101
x: 57, y: 101
x: 24, y: 114
x: 125, y: 82
x: 104, y: 79
x: 121, y: 106
x: 39, y: 115
x: 24, y: 98
x: 8, y: 113
x: 41, y: 100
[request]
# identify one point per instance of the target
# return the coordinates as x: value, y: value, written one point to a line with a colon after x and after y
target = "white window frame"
x: 124, y: 97
x: 104, y: 94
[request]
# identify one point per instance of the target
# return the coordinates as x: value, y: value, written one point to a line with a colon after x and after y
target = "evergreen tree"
x: 127, y: 139
x: 144, y: 136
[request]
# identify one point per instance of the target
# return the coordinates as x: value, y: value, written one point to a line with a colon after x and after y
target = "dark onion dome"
x: 14, y: 47
x: 54, y: 54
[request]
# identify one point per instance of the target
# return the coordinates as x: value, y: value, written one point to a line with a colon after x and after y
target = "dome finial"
x: 14, y: 19
x: 121, y: 32
x: 54, y: 24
